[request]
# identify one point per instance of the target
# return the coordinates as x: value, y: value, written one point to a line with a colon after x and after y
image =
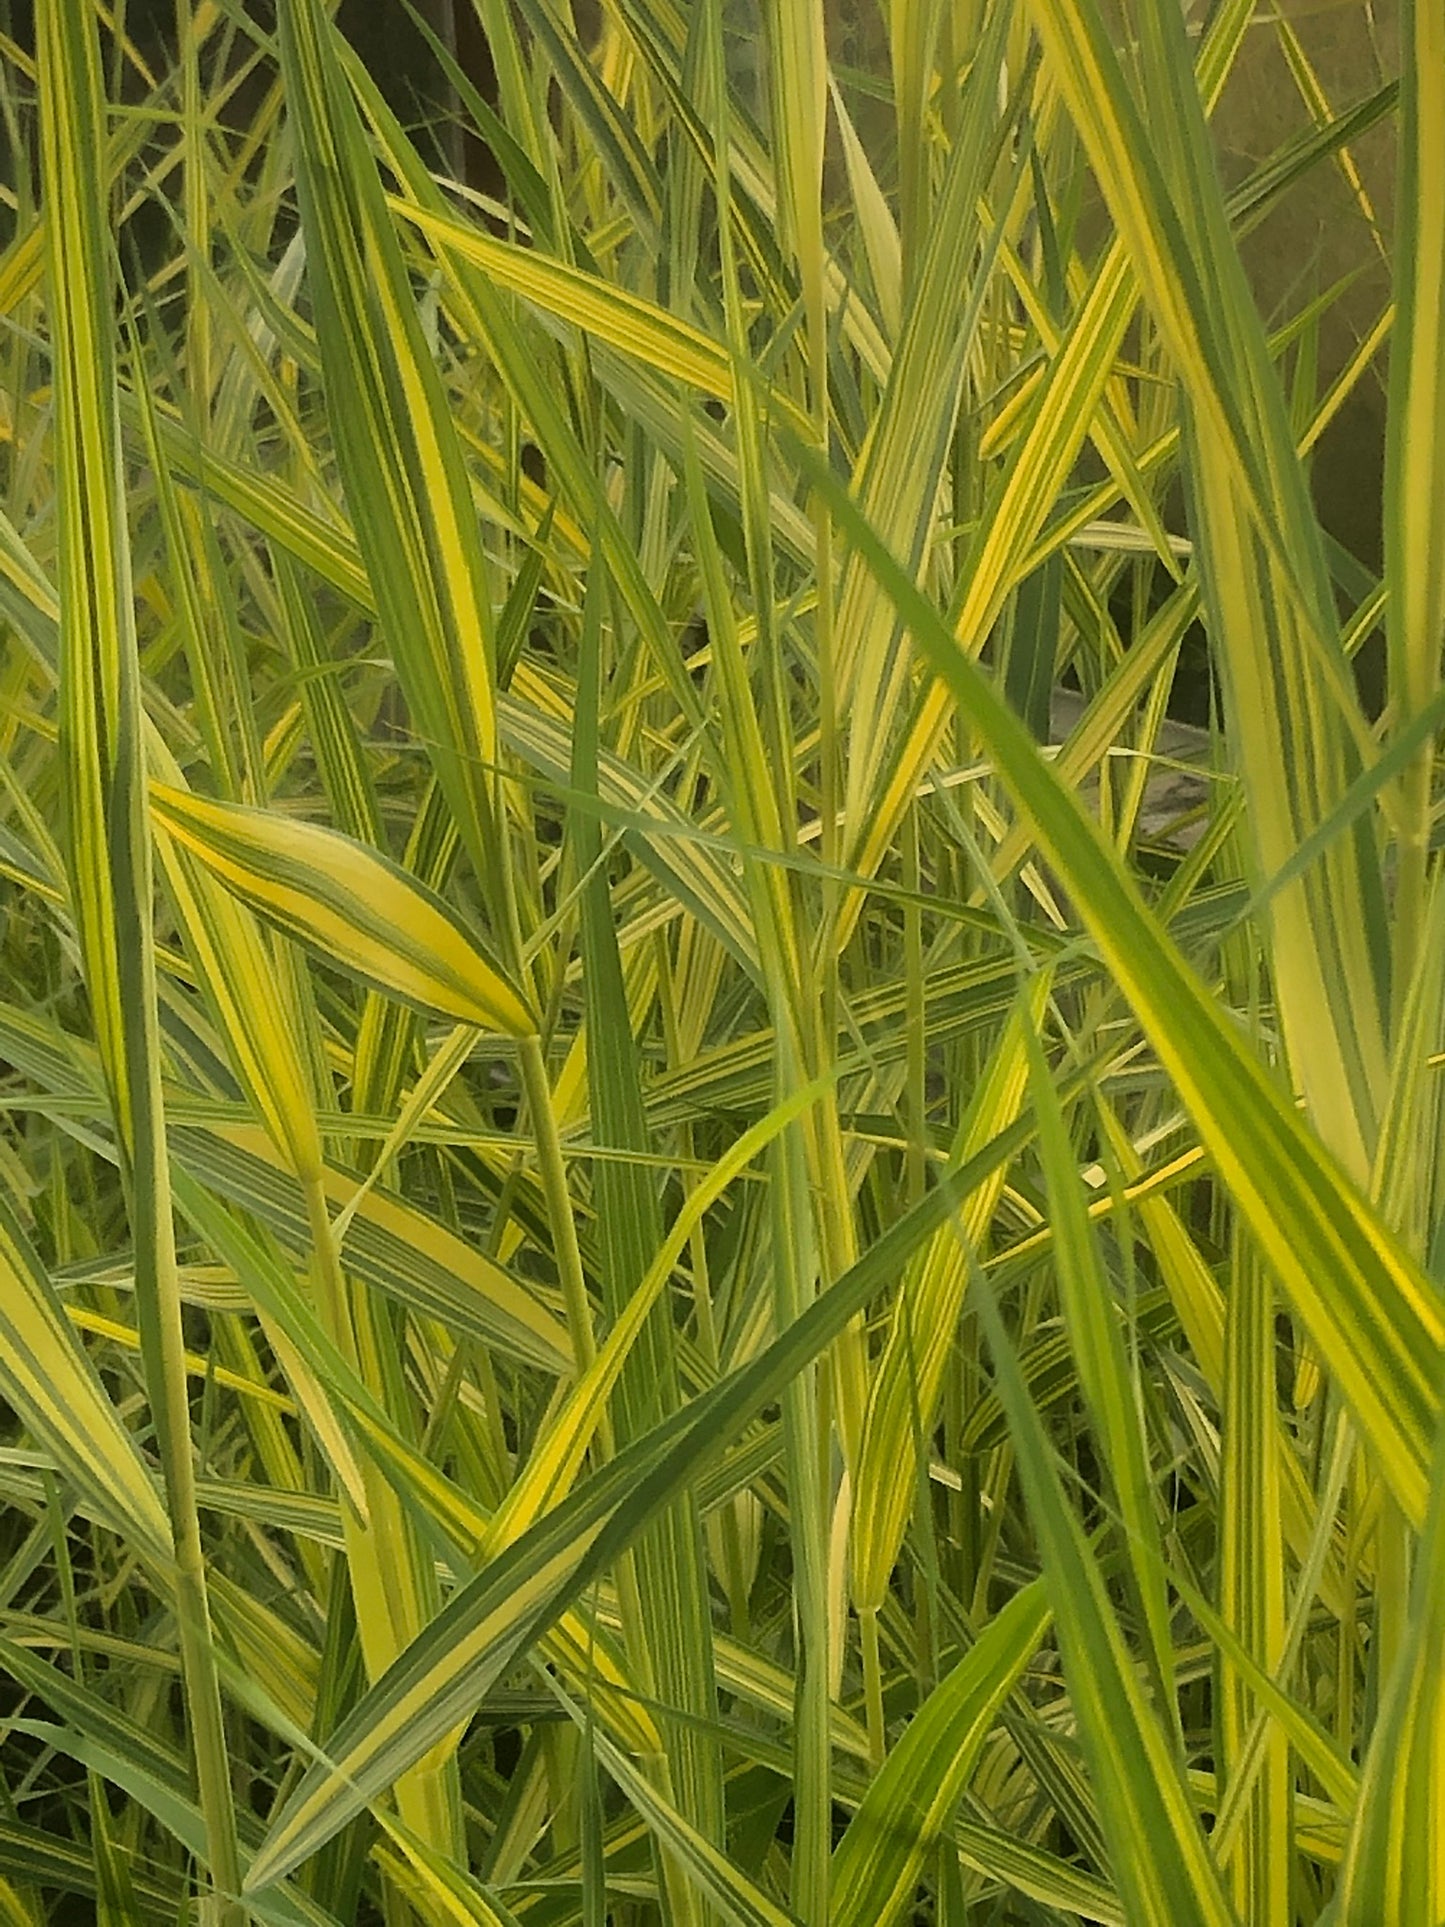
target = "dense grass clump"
x: 702, y: 1218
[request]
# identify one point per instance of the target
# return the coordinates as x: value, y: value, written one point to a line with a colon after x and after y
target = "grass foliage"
x: 658, y: 1261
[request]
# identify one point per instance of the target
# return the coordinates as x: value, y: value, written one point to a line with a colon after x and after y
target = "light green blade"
x: 672, y: 1644
x: 1092, y: 1323
x: 107, y: 834
x: 1293, y: 708
x: 1395, y: 1860
x: 450, y: 1667
x: 1415, y: 454
x: 908, y: 1379
x: 400, y: 459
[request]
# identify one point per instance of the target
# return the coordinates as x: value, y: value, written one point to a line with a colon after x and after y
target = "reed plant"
x: 664, y: 1256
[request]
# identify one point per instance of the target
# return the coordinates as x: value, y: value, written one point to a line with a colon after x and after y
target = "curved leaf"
x: 350, y: 905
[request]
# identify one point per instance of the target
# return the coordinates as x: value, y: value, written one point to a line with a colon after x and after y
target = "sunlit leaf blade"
x: 1415, y: 455
x: 676, y: 1622
x: 697, y: 875
x: 609, y: 128
x: 95, y: 618
x: 554, y: 1464
x: 107, y: 834
x: 1252, y: 1591
x: 1293, y: 705
x: 448, y: 1670
x: 240, y: 978
x: 612, y: 313
x: 400, y: 459
x: 1092, y: 1324
x: 350, y: 905
x: 1395, y: 1861
x: 908, y: 1376
x: 390, y: 1245
x: 711, y: 1874
x: 903, y: 459
x: 446, y: 1891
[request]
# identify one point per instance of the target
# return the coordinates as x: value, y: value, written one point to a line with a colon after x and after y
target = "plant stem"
x: 872, y: 1684
x: 566, y: 1252
x: 158, y: 1303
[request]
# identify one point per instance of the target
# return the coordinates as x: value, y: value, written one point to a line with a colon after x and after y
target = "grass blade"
x: 52, y: 1384
x: 1395, y: 1861
x: 1415, y: 458
x: 449, y: 1669
x: 877, y: 1863
x: 107, y: 831
x: 1364, y: 1300
x: 1161, y: 1863
x: 399, y: 455
x: 350, y: 905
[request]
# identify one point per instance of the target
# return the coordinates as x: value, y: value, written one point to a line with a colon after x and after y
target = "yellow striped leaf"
x: 921, y: 1332
x: 350, y: 905
x: 1374, y: 1315
x: 599, y: 307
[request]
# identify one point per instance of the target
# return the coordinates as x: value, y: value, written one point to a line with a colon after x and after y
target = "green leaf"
x: 612, y: 313
x: 907, y: 1808
x: 1395, y: 1859
x: 1160, y: 1859
x: 397, y: 447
